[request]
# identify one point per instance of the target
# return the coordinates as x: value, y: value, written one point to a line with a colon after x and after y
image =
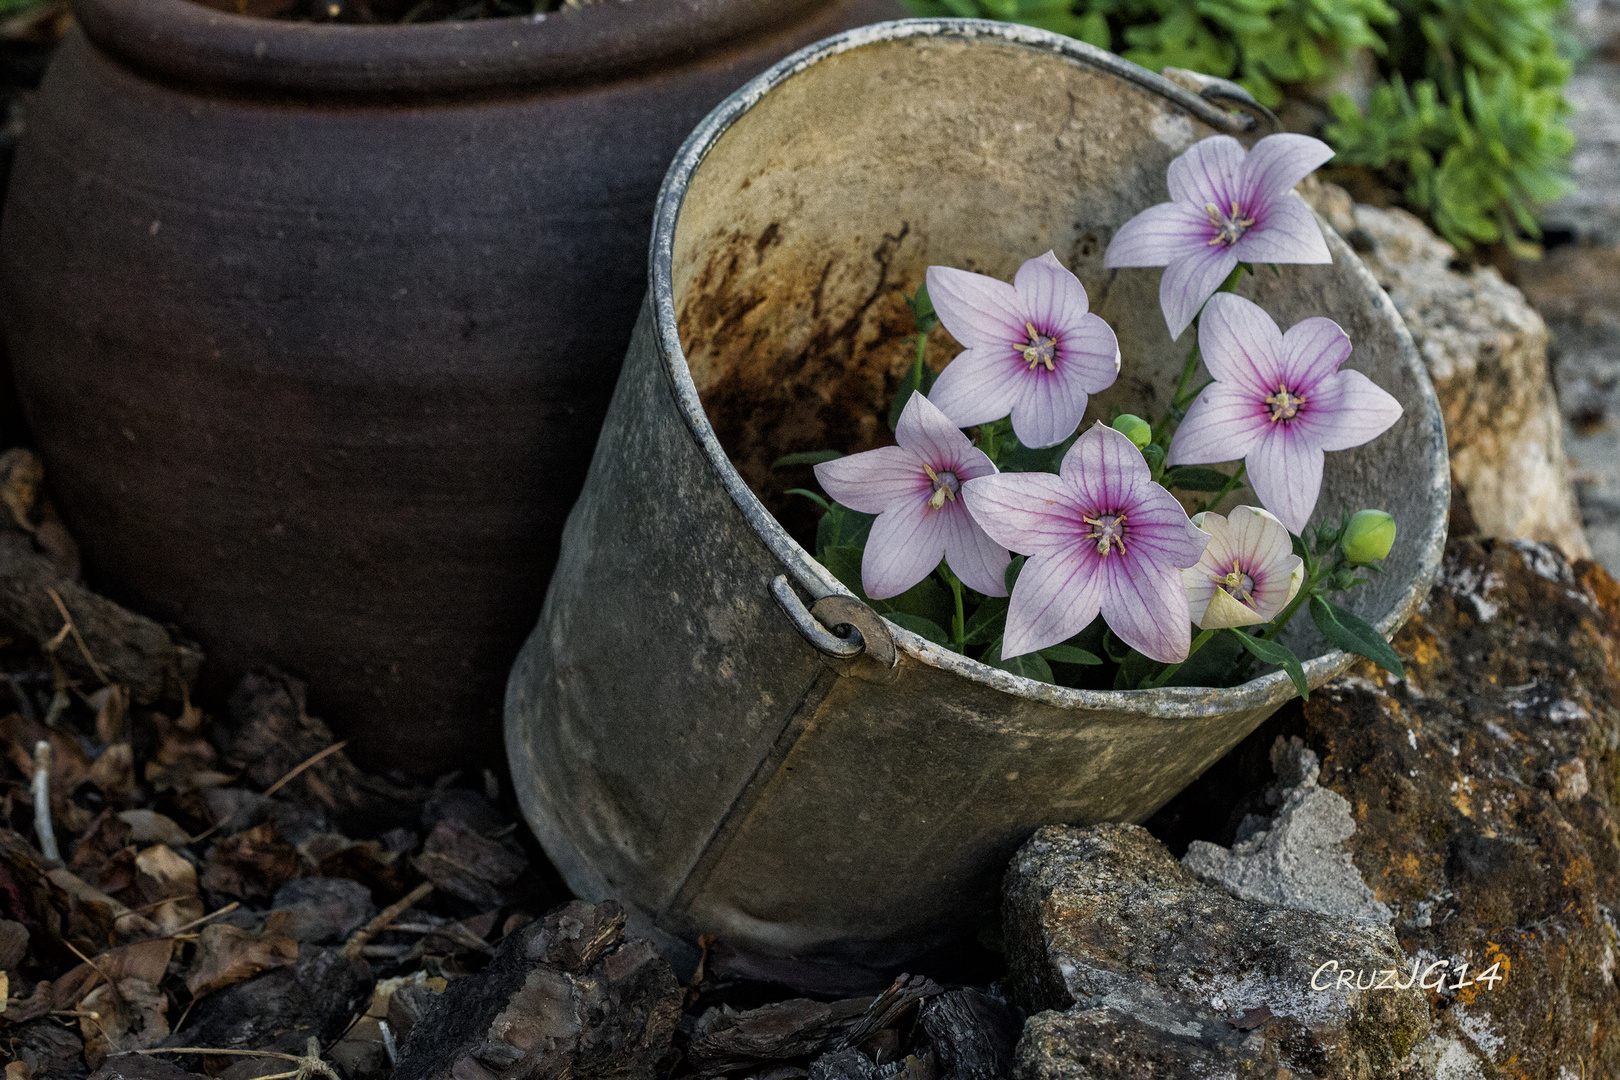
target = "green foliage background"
x: 1466, y: 115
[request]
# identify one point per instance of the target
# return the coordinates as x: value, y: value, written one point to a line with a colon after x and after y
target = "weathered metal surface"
x: 676, y: 741
x: 316, y: 324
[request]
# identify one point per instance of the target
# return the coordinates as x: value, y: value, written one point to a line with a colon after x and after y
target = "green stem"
x: 1178, y: 403
x: 1301, y: 598
x: 959, y: 623
x: 922, y: 350
x: 1232, y: 484
x: 1164, y: 676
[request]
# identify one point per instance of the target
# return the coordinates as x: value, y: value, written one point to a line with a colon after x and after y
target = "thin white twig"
x: 42, y: 804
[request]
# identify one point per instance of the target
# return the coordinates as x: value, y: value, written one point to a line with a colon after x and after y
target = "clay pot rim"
x: 1171, y: 703
x: 186, y: 41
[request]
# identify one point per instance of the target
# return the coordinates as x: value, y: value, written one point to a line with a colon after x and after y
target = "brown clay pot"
x: 315, y: 325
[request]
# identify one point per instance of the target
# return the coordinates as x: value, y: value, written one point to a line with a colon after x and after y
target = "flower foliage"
x: 1466, y: 115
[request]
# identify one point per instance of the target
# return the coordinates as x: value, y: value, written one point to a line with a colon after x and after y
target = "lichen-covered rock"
x: 1296, y: 858
x: 1482, y: 788
x: 1104, y: 924
x: 1486, y: 350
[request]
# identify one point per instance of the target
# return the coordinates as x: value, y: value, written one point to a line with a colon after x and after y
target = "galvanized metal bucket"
x: 694, y: 727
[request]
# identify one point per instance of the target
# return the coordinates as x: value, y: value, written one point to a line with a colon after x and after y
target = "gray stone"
x: 324, y: 911
x: 1592, y: 211
x: 1486, y: 351
x: 1104, y: 924
x: 1297, y: 859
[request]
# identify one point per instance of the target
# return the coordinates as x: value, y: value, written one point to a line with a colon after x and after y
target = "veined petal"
x: 1157, y: 525
x: 1352, y: 410
x: 1189, y: 281
x: 1048, y: 410
x: 1030, y: 513
x: 1103, y: 469
x: 1278, y: 162
x: 1285, y: 231
x: 1240, y: 344
x: 1146, y: 606
x: 1285, y: 470
x: 1200, y: 587
x: 979, y: 561
x: 1209, y: 171
x: 874, y: 480
x: 1056, y: 596
x: 1159, y: 236
x: 930, y: 435
x: 976, y: 309
x: 1223, y: 424
x: 1088, y: 355
x: 905, y: 545
x: 1277, y: 584
x: 1051, y: 296
x: 980, y: 385
x: 1312, y: 351
x: 1257, y: 539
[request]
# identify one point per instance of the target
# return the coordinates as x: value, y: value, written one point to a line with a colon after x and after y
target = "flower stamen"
x: 1238, y: 585
x: 1039, y: 350
x: 1229, y: 229
x: 1107, y: 530
x: 945, y: 484
x: 1284, y: 405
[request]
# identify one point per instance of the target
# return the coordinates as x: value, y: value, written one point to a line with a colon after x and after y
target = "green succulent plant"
x: 1466, y: 116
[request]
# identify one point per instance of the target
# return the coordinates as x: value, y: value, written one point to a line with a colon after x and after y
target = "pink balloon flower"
x: 1101, y: 536
x: 915, y: 489
x: 1032, y: 349
x: 1278, y: 401
x: 1227, y: 206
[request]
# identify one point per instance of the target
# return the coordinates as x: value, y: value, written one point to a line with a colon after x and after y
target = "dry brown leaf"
x: 252, y: 864
x: 19, y: 1070
x: 168, y: 885
x: 147, y: 961
x: 228, y: 954
x: 150, y: 827
x: 130, y: 1014
x: 112, y: 710
x: 114, y: 773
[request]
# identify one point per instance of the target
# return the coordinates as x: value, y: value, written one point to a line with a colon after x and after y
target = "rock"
x: 324, y: 911
x: 1297, y: 859
x: 1105, y: 926
x: 844, y: 1065
x: 565, y: 996
x: 282, y: 1008
x: 1486, y: 350
x: 1483, y: 793
x: 1591, y: 213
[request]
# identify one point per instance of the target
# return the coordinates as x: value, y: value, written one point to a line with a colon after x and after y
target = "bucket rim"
x: 1170, y: 703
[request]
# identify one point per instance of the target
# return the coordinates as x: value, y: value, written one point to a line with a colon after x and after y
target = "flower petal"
x: 1049, y: 409
x: 1088, y: 355
x: 1312, y: 351
x: 1263, y: 550
x: 1285, y: 231
x: 1056, y: 596
x: 1209, y: 171
x: 874, y: 480
x: 906, y: 543
x: 1223, y: 424
x: 1285, y: 470
x: 977, y: 310
x: 1031, y: 513
x: 979, y: 561
x: 1278, y: 162
x: 980, y: 385
x: 1277, y: 585
x: 1197, y: 581
x: 1224, y: 610
x: 1146, y: 606
x: 1157, y: 526
x: 1353, y: 410
x: 1159, y: 236
x: 1189, y: 281
x: 1103, y: 469
x: 1049, y: 294
x: 930, y: 435
x: 1241, y: 345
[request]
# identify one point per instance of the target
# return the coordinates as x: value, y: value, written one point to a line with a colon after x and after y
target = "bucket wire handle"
x: 1226, y: 94
x: 843, y: 641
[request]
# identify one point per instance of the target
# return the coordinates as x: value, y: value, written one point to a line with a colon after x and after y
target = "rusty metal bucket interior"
x: 790, y: 226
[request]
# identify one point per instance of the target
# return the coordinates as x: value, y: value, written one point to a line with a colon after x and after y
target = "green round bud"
x: 1134, y: 428
x: 1369, y: 536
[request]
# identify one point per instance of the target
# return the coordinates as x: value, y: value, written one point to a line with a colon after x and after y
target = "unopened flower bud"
x: 1369, y: 536
x: 1134, y: 428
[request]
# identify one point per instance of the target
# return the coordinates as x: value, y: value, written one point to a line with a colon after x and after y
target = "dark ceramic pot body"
x: 315, y: 325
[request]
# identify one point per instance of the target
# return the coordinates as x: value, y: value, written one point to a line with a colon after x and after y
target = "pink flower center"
x: 1229, y: 228
x: 945, y: 487
x: 1107, y: 530
x: 1285, y: 405
x: 1039, y: 349
x: 1238, y: 585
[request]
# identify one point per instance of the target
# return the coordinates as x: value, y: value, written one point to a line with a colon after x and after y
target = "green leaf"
x: 1195, y: 478
x: 1014, y: 568
x: 1068, y: 654
x: 807, y: 457
x: 845, y: 564
x: 842, y: 527
x: 1029, y: 665
x: 928, y: 600
x: 923, y: 627
x: 987, y: 622
x: 1272, y: 652
x: 923, y: 316
x: 1354, y: 635
x: 812, y: 496
x: 908, y: 385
